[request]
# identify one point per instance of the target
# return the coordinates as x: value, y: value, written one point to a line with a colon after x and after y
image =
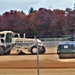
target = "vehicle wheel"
x: 1, y: 51
x: 34, y: 50
x: 43, y: 50
x: 6, y: 50
x: 60, y: 57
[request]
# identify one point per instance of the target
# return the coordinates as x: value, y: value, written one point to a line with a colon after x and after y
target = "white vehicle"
x: 10, y: 40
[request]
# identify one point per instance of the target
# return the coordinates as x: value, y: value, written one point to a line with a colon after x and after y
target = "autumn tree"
x: 42, y: 23
x: 0, y: 23
x: 14, y: 21
x: 30, y: 20
x: 31, y: 10
x: 70, y: 21
x: 43, y: 18
x: 58, y: 22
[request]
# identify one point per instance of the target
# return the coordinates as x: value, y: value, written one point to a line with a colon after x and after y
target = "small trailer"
x: 66, y: 49
x: 10, y: 40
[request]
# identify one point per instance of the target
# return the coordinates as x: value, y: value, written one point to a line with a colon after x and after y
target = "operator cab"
x: 6, y: 36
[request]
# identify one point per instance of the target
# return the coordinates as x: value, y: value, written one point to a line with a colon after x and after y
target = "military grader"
x: 10, y: 40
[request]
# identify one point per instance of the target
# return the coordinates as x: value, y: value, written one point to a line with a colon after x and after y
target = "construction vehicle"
x: 10, y: 40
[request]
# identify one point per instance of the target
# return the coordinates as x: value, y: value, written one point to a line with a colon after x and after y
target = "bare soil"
x: 32, y: 64
x: 11, y: 64
x: 48, y: 60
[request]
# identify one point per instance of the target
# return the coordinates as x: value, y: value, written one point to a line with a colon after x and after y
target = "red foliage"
x: 42, y: 22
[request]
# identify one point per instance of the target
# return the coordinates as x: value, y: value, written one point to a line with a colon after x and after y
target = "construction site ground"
x: 49, y: 64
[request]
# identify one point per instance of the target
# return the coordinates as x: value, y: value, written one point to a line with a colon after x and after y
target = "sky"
x: 25, y: 5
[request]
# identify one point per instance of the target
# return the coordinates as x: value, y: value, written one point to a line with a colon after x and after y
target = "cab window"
x: 1, y: 35
x: 8, y: 37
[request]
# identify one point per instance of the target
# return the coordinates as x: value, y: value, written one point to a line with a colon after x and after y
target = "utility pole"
x: 37, y: 56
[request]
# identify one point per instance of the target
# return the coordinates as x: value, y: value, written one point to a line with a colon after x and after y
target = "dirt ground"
x: 49, y: 63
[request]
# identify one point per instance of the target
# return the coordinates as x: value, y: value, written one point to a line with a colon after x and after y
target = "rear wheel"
x: 43, y: 50
x: 6, y: 50
x: 1, y: 51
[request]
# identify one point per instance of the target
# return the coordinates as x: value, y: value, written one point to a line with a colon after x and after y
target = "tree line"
x: 42, y: 22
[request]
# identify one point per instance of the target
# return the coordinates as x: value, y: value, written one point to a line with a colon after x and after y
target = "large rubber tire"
x: 1, y: 51
x: 6, y: 50
x: 43, y: 50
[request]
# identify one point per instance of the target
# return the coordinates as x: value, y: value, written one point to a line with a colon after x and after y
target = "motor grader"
x: 12, y: 41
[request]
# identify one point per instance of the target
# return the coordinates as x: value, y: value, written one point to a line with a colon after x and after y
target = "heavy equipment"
x: 10, y: 40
